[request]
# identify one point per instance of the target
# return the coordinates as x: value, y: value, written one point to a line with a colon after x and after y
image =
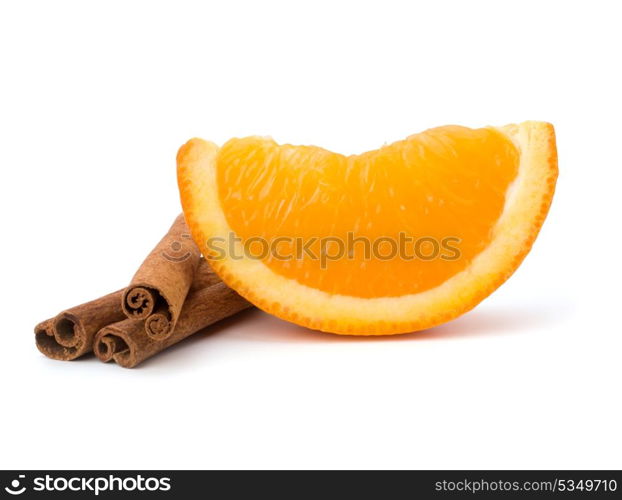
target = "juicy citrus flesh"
x: 490, y: 187
x: 441, y: 190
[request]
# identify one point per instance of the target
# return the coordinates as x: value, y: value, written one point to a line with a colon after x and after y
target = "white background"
x: 95, y: 99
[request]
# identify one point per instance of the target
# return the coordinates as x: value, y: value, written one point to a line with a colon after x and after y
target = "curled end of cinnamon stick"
x: 47, y: 341
x: 159, y: 326
x: 70, y: 334
x: 113, y: 345
x: 140, y: 301
x: 68, y: 330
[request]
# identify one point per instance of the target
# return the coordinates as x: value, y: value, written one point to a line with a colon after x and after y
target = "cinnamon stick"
x: 128, y: 344
x: 158, y: 289
x: 70, y: 334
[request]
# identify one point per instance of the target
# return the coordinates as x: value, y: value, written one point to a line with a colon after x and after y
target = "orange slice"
x: 389, y: 241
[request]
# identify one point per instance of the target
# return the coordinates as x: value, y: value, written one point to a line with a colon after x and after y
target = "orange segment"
x: 448, y: 182
x: 485, y: 191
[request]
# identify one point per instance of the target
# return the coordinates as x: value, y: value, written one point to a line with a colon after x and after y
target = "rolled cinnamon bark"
x: 157, y: 291
x: 127, y: 342
x: 70, y: 334
x: 204, y: 277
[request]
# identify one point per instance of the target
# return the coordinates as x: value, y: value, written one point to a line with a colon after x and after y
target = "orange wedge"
x: 389, y: 241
